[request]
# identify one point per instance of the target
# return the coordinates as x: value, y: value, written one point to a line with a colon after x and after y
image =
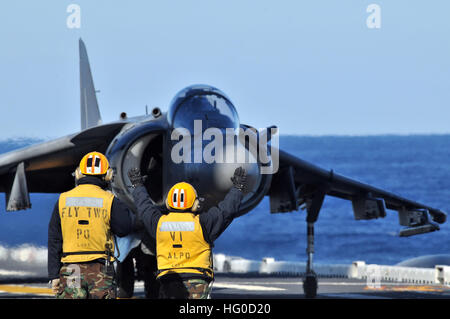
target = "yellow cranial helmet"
x: 95, y: 163
x: 182, y: 196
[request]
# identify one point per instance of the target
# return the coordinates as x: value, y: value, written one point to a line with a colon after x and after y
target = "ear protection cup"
x: 196, y: 205
x: 78, y: 174
x: 109, y: 175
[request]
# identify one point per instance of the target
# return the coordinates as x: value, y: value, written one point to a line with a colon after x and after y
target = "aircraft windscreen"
x: 211, y: 109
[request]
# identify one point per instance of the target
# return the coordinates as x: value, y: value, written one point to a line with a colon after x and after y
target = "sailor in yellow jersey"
x: 80, y: 233
x: 184, y: 235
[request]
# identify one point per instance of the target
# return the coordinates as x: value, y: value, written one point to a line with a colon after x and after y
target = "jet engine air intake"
x: 138, y: 146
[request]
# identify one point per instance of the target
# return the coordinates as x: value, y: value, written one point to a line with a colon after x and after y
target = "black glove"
x: 136, y: 178
x: 239, y: 179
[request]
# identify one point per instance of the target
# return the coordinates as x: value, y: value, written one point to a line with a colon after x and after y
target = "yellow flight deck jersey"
x: 181, y: 247
x: 85, y: 214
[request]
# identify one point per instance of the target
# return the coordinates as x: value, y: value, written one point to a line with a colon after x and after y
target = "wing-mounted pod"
x: 18, y: 197
x: 365, y: 208
x: 283, y: 195
x: 417, y: 222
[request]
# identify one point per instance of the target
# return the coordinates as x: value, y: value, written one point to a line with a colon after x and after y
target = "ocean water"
x: 415, y: 167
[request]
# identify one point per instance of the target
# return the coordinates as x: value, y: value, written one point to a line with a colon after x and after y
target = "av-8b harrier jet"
x: 165, y: 146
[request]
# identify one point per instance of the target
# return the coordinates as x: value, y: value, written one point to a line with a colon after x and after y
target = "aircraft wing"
x: 47, y: 167
x: 298, y: 182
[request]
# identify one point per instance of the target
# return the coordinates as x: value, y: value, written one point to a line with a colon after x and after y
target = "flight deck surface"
x: 269, y: 287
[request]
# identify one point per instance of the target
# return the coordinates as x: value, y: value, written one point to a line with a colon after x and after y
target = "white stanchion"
x: 439, y: 275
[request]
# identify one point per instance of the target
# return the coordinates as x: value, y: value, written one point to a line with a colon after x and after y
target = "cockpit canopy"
x: 204, y: 103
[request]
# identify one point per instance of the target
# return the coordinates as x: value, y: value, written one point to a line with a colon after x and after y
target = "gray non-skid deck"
x: 270, y: 287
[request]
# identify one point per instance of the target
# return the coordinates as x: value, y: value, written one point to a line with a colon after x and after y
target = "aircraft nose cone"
x: 234, y: 157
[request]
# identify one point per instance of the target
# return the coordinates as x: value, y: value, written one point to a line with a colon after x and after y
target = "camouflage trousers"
x: 185, y: 289
x: 85, y: 281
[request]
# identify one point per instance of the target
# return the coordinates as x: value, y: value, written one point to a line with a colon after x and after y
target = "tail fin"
x: 90, y: 114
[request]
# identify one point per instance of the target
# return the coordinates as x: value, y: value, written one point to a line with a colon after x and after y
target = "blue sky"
x: 309, y: 67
